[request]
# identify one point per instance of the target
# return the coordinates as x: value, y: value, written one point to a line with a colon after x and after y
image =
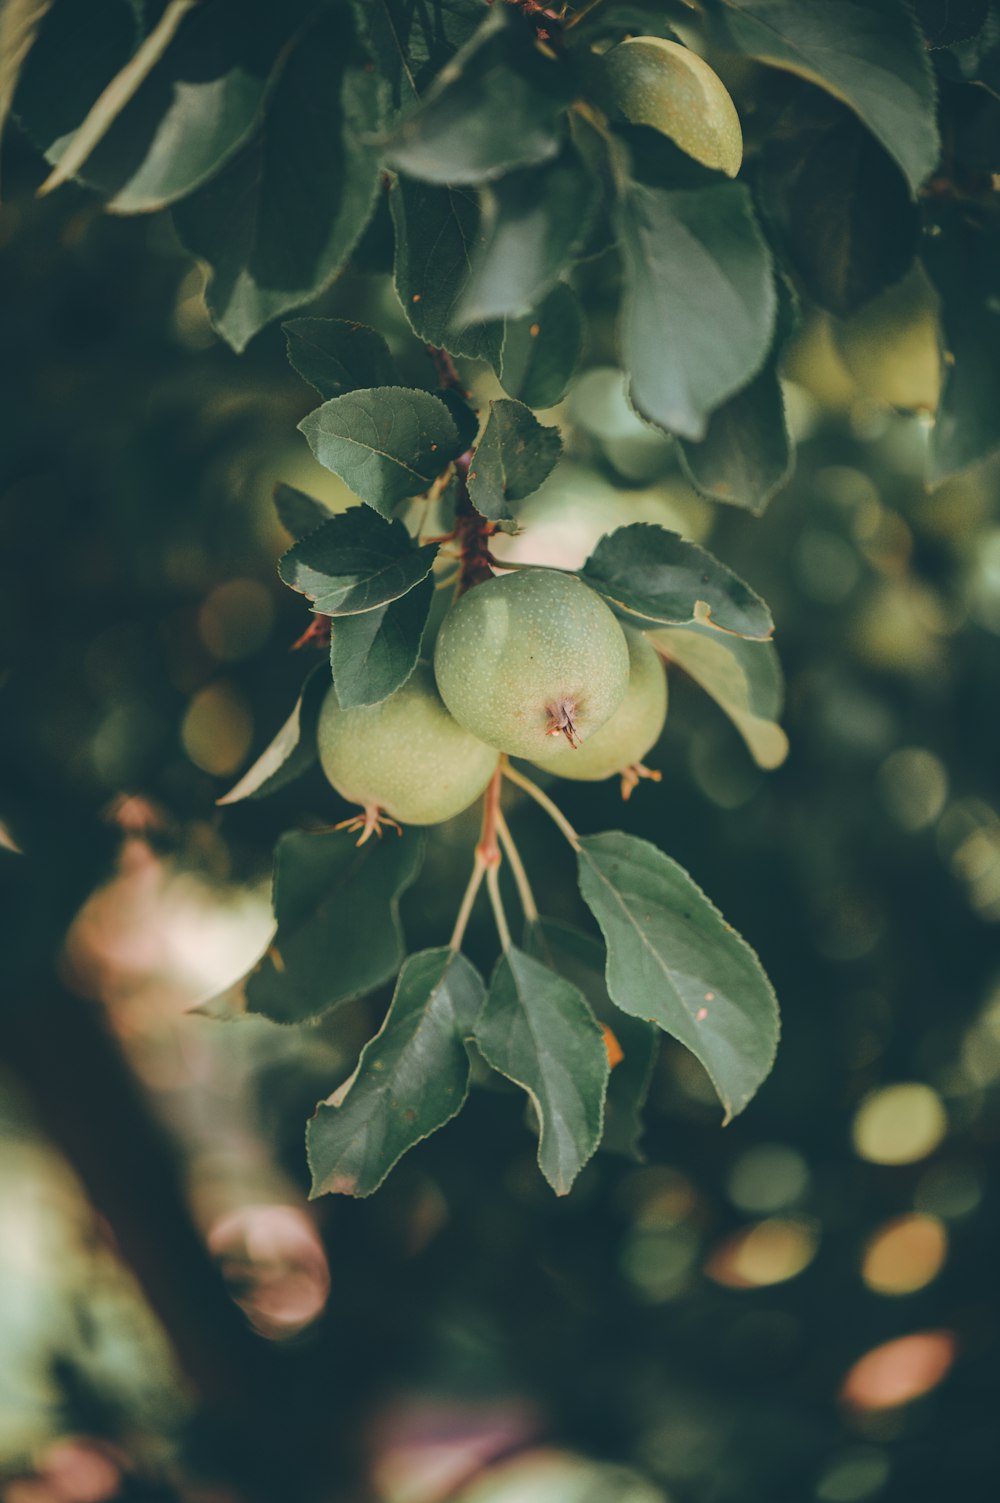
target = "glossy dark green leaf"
x: 497, y: 105
x: 673, y: 960
x: 953, y: 21
x: 339, y: 935
x: 77, y: 51
x: 373, y: 654
x: 746, y: 454
x: 335, y: 356
x: 534, y: 221
x: 411, y: 1079
x: 869, y: 53
x: 650, y: 572
x: 410, y: 43
x: 541, y: 352
x: 698, y: 303
x: 743, y: 677
x: 581, y: 959
x: 298, y: 513
x: 537, y: 1030
x: 962, y: 256
x: 513, y: 457
x: 386, y: 444
x: 293, y: 749
x: 437, y: 235
x: 273, y: 234
x: 354, y: 562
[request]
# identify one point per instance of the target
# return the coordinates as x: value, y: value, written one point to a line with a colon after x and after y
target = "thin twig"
x: 528, y: 905
x: 469, y: 898
x: 493, y: 888
x: 544, y: 802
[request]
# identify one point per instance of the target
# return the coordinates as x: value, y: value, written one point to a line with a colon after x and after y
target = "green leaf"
x: 673, y: 960
x: 538, y: 1031
x: 437, y: 233
x: 293, y: 749
x: 513, y: 457
x: 581, y: 959
x: 336, y: 356
x: 962, y: 255
x: 279, y: 222
x: 386, y: 444
x: 746, y: 454
x: 534, y: 222
x: 373, y: 654
x: 650, y: 572
x: 541, y: 352
x: 411, y: 43
x: 167, y: 119
x: 698, y: 303
x: 339, y: 935
x: 19, y: 24
x: 847, y: 220
x: 496, y: 105
x: 411, y: 1079
x: 76, y: 53
x: 354, y: 562
x: 744, y: 678
x: 298, y: 513
x: 869, y: 53
x: 957, y: 21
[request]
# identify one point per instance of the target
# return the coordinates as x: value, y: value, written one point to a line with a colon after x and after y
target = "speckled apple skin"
x: 518, y: 644
x: 633, y: 729
x: 406, y: 755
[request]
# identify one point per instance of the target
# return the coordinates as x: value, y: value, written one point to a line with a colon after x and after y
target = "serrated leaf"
x: 698, y: 304
x: 537, y: 1030
x: 411, y: 43
x: 336, y: 356
x: 869, y: 53
x: 513, y: 457
x: 437, y: 235
x: 495, y: 106
x: 354, y: 562
x: 961, y: 256
x: 298, y: 513
x: 746, y: 454
x: 293, y: 749
x: 650, y: 572
x: 581, y: 959
x: 534, y: 221
x: 373, y: 654
x: 743, y: 677
x: 339, y: 935
x: 411, y: 1079
x: 542, y: 351
x: 387, y: 443
x: 168, y: 116
x: 955, y: 21
x: 273, y: 234
x: 673, y: 960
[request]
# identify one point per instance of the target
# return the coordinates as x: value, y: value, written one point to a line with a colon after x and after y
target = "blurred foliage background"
x: 801, y: 1307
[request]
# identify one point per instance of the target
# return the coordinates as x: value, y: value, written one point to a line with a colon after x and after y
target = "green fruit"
x: 624, y: 740
x: 890, y: 346
x: 405, y: 756
x: 659, y: 83
x: 532, y: 662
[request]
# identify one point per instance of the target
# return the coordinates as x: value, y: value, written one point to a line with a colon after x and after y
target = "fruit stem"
x: 469, y: 898
x: 543, y: 801
x: 487, y: 860
x: 493, y: 888
x: 528, y: 904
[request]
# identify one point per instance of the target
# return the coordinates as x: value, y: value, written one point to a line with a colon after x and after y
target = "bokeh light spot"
x: 767, y: 1178
x: 905, y: 1254
x: 853, y: 1475
x: 217, y: 729
x: 770, y: 1252
x: 899, y: 1124
x: 914, y: 787
x: 235, y: 619
x: 899, y: 1371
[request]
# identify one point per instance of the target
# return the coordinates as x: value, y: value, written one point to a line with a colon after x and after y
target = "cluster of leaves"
x: 470, y: 148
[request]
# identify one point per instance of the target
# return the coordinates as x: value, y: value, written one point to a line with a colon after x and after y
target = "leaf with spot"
x: 337, y: 909
x: 541, y: 352
x: 373, y: 654
x: 646, y: 571
x: 537, y: 1029
x: 411, y: 1079
x: 291, y: 752
x: 513, y: 457
x: 387, y: 443
x: 336, y: 356
x: 673, y: 960
x: 356, y: 561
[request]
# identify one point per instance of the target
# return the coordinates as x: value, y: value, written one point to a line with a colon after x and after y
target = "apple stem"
x: 528, y: 904
x: 544, y: 802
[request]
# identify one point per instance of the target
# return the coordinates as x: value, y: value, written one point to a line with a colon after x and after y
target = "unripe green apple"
x: 635, y: 726
x: 662, y: 84
x: 405, y: 756
x: 533, y: 662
